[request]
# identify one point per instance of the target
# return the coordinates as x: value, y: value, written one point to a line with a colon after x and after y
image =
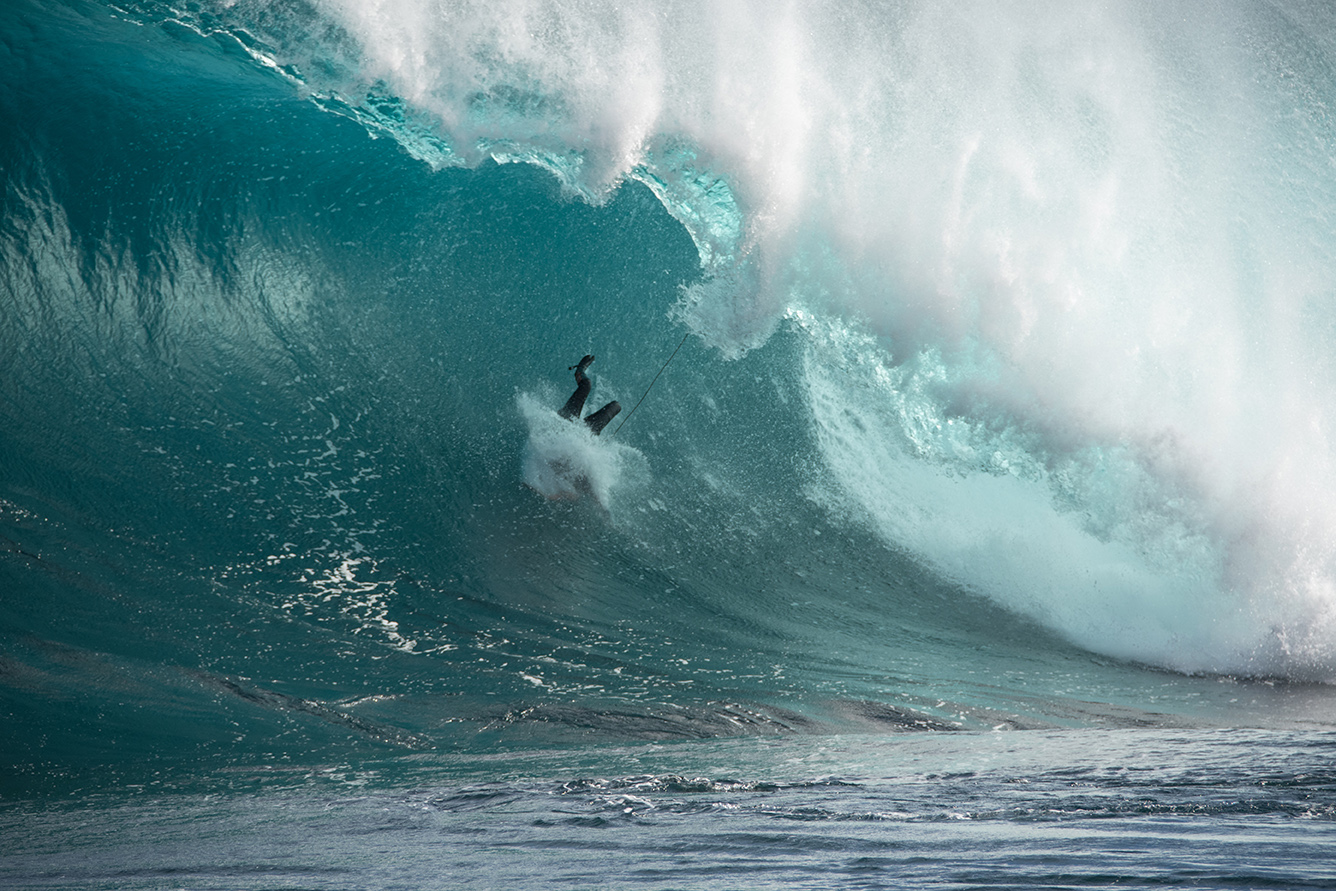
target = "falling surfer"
x: 571, y: 410
x: 562, y: 460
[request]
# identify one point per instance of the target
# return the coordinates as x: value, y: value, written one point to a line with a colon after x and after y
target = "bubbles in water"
x: 564, y: 461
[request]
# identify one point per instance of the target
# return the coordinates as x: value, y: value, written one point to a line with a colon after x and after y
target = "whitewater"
x: 975, y: 524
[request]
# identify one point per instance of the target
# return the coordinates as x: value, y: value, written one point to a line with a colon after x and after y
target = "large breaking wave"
x: 1081, y: 255
x: 1010, y: 330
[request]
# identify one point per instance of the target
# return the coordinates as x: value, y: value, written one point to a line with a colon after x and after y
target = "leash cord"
x: 651, y: 385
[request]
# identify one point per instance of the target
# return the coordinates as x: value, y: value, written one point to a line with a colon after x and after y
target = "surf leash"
x: 651, y: 385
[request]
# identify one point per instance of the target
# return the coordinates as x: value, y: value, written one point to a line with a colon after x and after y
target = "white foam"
x: 564, y: 461
x: 1089, y: 543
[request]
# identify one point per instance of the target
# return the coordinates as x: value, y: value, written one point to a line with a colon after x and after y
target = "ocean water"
x: 970, y: 520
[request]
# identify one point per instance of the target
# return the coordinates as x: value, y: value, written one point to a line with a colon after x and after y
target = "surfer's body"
x: 571, y: 410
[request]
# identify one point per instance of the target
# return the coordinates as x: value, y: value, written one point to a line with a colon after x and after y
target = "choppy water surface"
x: 1038, y: 809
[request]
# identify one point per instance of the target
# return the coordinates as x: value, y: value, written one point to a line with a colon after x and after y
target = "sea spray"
x: 563, y: 460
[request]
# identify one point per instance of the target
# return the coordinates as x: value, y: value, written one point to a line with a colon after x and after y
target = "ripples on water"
x: 1201, y: 809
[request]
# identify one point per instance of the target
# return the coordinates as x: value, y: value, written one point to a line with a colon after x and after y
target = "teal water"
x: 991, y: 487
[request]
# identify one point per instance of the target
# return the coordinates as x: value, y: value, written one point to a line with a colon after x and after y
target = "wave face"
x: 1008, y: 371
x: 1086, y: 250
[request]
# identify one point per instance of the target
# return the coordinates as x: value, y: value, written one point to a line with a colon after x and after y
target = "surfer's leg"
x: 576, y: 403
x: 599, y: 419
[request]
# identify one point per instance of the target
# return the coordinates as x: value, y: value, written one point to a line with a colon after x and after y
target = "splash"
x: 563, y: 461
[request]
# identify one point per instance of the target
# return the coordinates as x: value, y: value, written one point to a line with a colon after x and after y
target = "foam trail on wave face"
x: 1088, y: 543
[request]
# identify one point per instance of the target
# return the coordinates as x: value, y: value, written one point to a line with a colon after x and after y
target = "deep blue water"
x: 981, y: 532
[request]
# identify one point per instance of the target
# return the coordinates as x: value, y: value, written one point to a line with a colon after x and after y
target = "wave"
x: 1007, y: 355
x: 1088, y: 244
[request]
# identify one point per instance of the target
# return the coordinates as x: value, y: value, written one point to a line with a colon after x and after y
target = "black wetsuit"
x: 571, y: 410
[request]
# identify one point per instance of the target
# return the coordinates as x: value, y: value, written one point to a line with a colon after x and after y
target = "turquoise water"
x: 980, y: 532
